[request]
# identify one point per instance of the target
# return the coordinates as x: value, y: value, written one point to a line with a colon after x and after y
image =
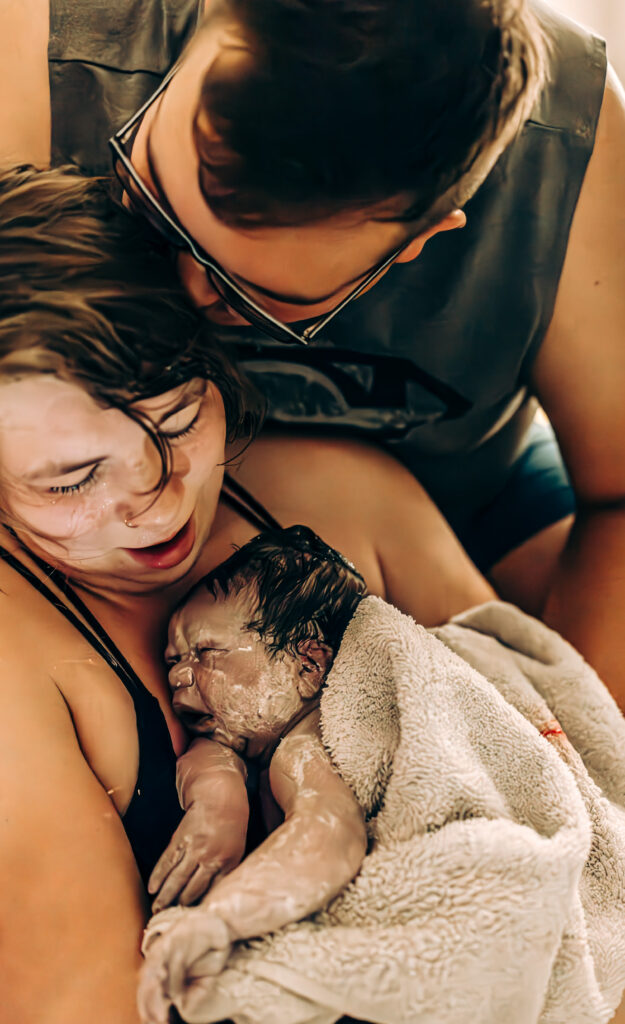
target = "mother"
x: 114, y: 412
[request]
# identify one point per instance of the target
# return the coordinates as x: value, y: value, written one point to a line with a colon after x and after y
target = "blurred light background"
x: 607, y: 18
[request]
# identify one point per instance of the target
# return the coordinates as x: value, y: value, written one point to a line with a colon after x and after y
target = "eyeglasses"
x: 142, y: 200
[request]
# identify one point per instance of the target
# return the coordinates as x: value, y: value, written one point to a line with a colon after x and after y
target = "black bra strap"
x: 120, y: 667
x: 240, y: 500
x: 114, y: 656
x: 247, y: 506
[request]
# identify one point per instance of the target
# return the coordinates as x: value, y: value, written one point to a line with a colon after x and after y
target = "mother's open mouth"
x: 170, y: 552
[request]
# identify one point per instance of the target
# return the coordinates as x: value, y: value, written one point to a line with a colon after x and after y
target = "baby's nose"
x: 181, y: 677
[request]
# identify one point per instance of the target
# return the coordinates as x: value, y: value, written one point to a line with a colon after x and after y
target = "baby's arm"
x: 210, y: 840
x: 310, y: 857
x: 295, y: 871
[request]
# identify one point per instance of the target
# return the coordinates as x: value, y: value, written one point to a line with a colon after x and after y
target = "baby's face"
x: 224, y: 682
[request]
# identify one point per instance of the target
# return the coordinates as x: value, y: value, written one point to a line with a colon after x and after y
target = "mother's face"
x: 79, y: 479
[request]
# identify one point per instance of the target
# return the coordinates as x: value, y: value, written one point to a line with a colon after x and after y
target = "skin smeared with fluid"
x: 229, y: 686
x: 210, y: 840
x: 226, y: 684
x: 77, y: 517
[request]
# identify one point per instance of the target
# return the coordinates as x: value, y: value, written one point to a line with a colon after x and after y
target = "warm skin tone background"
x: 579, y: 376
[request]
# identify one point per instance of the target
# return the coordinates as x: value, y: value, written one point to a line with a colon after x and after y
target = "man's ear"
x: 315, y: 659
x: 455, y: 219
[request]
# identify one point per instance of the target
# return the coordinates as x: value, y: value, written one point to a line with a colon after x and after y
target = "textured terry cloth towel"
x: 493, y: 890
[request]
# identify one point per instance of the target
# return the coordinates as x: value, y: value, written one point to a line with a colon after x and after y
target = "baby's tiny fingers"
x: 210, y: 964
x: 156, y: 935
x: 199, y: 884
x: 166, y: 863
x: 152, y: 999
x: 173, y: 884
x: 204, y: 994
x: 188, y: 941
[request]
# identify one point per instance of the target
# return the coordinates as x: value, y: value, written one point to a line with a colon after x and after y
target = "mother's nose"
x: 181, y: 677
x: 156, y: 509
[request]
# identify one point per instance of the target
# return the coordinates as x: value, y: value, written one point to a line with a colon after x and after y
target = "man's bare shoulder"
x: 24, y: 82
x: 579, y: 372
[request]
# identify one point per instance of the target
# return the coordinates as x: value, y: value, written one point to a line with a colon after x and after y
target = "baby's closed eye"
x: 206, y: 654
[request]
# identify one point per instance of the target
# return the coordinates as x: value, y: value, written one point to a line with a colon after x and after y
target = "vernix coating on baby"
x: 249, y: 651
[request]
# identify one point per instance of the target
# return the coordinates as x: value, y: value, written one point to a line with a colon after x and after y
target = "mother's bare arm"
x: 364, y: 502
x: 427, y: 573
x: 71, y: 910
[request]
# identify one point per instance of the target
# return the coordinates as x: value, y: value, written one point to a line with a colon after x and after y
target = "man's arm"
x: 210, y: 840
x: 579, y: 376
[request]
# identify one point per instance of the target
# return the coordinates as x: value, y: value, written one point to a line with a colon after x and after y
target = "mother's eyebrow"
x: 54, y: 469
x: 57, y: 469
x: 183, y: 403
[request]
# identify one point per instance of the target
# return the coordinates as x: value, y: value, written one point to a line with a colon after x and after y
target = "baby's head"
x: 251, y: 645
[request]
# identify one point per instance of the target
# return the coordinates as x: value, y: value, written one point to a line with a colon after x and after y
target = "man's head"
x: 251, y: 646
x: 301, y: 141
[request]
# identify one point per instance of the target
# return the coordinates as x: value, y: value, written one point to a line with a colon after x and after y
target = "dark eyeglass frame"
x: 227, y: 287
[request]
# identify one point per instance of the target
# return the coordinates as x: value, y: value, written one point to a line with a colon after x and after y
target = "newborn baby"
x: 249, y: 650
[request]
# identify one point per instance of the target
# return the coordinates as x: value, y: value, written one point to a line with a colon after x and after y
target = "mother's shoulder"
x: 280, y: 468
x: 31, y: 628
x: 304, y: 454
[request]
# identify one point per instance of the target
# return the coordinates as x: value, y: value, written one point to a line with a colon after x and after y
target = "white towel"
x: 493, y: 891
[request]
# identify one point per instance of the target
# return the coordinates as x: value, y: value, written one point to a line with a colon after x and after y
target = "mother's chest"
x: 113, y: 710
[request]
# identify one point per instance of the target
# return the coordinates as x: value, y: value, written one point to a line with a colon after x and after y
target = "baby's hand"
x: 204, y: 847
x: 181, y: 948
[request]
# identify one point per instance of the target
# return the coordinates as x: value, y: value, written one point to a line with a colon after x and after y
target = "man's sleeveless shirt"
x: 433, y: 361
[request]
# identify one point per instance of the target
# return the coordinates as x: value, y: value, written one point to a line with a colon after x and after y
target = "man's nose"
x: 181, y: 677
x: 196, y: 282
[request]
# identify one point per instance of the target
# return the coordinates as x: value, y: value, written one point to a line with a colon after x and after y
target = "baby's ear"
x: 315, y: 659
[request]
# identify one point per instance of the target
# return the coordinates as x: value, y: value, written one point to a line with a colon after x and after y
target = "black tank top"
x: 154, y: 811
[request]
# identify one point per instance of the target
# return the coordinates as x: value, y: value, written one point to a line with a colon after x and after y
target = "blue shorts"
x: 537, y: 494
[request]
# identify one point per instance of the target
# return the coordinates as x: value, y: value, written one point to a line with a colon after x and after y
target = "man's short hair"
x: 299, y: 588
x: 395, y: 107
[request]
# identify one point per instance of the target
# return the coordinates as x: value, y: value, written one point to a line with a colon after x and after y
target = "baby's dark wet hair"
x: 300, y: 588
